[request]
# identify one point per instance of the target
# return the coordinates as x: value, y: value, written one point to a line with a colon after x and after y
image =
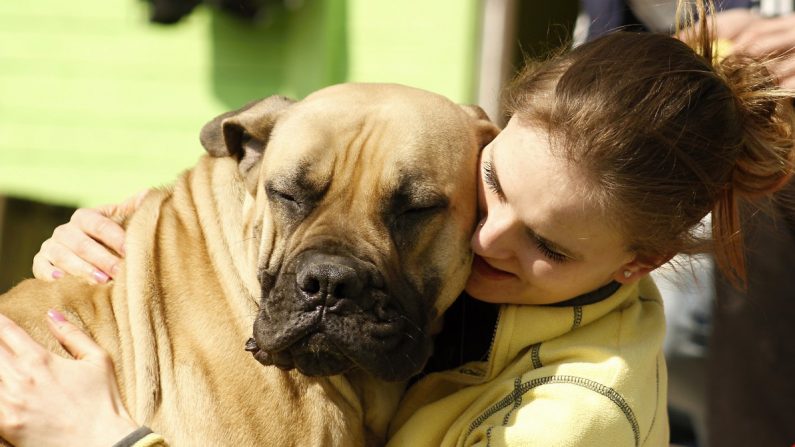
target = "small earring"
x: 627, y: 273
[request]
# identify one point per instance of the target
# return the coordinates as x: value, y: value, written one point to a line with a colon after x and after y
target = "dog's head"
x: 365, y: 199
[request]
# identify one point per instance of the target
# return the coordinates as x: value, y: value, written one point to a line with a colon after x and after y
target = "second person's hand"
x: 755, y: 35
x: 774, y: 37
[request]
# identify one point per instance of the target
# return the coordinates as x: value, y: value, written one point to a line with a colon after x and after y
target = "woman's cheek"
x: 541, y: 268
x: 534, y: 264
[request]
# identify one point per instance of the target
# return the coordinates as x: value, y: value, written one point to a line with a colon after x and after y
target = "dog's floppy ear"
x: 486, y: 130
x: 243, y: 134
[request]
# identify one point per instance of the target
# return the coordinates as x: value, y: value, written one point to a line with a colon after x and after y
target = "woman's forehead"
x: 549, y: 194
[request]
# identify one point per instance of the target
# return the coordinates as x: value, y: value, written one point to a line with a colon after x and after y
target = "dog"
x: 331, y: 233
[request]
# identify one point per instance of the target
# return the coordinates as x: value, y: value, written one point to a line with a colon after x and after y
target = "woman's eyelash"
x: 490, y: 178
x: 549, y: 253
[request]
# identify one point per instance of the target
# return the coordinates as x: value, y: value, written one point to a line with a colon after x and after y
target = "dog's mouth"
x: 325, y: 316
x: 336, y: 344
x: 314, y: 355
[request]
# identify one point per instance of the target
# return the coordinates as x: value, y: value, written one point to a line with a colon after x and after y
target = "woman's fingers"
x: 43, y: 269
x: 9, y: 372
x: 17, y: 341
x: 55, y: 256
x: 103, y: 229
x: 79, y: 247
x: 87, y: 248
x: 19, y: 354
x: 97, y: 224
x: 48, y: 400
x: 74, y: 340
x: 90, y: 245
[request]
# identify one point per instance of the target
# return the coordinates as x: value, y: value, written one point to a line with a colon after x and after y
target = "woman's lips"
x: 482, y: 268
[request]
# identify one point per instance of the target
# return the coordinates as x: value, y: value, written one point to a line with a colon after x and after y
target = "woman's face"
x: 539, y: 240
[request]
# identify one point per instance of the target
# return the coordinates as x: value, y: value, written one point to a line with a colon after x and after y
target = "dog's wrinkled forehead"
x: 384, y: 136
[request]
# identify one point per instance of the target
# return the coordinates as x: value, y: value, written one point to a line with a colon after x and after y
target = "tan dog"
x: 337, y: 226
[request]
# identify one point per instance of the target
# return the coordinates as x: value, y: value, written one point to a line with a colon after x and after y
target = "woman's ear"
x: 640, y: 265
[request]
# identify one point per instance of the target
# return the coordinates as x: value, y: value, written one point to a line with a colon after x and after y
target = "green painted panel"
x: 431, y: 44
x: 96, y: 103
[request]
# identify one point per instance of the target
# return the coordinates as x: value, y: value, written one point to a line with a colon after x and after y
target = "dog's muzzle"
x: 328, y: 313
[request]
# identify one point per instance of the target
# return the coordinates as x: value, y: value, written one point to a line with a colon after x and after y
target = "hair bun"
x: 767, y: 118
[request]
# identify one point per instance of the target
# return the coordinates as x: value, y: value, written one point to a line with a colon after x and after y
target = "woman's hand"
x: 48, y: 400
x: 90, y: 245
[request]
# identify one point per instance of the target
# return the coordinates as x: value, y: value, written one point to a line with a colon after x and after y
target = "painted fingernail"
x: 57, y: 274
x: 100, y: 277
x: 56, y: 316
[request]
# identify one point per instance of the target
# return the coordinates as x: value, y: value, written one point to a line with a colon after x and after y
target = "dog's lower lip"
x: 251, y: 345
x: 281, y: 360
x: 481, y: 267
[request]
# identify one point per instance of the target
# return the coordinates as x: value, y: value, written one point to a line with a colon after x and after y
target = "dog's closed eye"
x: 286, y: 199
x: 422, y: 209
x: 282, y: 196
x: 412, y: 212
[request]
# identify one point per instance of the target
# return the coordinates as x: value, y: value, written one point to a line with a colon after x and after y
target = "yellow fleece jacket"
x: 578, y: 375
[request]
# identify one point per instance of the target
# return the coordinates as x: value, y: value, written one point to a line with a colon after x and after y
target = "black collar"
x: 591, y: 297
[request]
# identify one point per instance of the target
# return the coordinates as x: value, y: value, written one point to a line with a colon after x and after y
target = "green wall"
x: 97, y: 103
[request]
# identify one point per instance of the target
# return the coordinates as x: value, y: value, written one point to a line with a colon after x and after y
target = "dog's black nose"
x: 326, y: 279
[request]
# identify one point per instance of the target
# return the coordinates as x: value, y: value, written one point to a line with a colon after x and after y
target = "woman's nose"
x: 491, y: 238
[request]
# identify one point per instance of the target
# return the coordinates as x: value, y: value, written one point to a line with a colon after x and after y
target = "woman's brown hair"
x: 663, y: 133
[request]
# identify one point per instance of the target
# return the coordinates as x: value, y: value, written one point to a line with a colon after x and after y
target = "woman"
x: 613, y: 154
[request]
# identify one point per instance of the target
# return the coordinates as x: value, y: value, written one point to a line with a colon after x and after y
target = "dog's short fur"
x: 338, y: 226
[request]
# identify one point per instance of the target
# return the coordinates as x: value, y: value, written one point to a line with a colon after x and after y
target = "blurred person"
x: 753, y: 27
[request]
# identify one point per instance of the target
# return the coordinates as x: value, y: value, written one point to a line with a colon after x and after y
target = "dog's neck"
x: 378, y: 400
x: 225, y: 218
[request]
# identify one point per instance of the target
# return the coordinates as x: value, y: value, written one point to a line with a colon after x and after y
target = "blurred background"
x: 100, y: 99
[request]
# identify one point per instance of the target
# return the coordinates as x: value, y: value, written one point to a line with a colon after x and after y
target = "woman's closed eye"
x: 549, y: 253
x: 547, y: 248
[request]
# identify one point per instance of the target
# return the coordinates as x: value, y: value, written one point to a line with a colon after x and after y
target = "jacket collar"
x: 521, y: 326
x: 591, y: 297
